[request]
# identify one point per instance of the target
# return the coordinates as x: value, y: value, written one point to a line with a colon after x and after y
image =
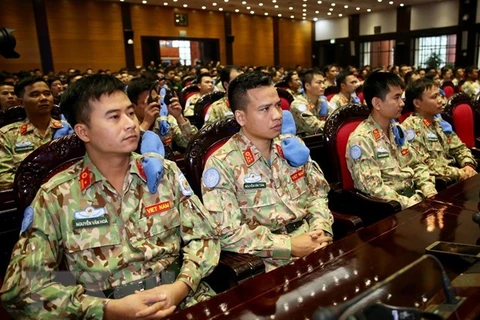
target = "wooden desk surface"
x: 355, y: 263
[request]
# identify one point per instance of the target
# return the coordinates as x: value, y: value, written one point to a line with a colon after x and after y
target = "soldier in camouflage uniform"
x: 380, y: 159
x: 311, y: 109
x: 115, y: 237
x: 220, y: 108
x: 261, y: 204
x: 347, y: 84
x: 19, y: 139
x: 181, y: 131
x: 432, y: 137
x: 205, y: 84
x: 471, y: 86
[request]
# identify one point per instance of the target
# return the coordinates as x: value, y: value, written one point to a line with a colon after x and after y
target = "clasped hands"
x: 306, y: 243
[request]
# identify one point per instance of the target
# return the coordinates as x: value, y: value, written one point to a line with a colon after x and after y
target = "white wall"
x: 435, y: 15
x: 387, y: 20
x: 331, y: 29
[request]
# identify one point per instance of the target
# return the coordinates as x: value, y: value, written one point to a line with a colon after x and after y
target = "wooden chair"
x: 18, y: 113
x: 449, y: 89
x: 186, y: 93
x: 286, y: 98
x: 187, y: 80
x: 331, y: 91
x: 282, y: 85
x: 202, y: 105
x: 344, y: 197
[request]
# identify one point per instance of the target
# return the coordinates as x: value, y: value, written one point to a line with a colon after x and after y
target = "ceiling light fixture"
x: 369, y: 10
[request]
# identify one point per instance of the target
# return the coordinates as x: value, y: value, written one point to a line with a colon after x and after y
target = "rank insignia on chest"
x: 248, y: 156
x: 84, y: 179
x: 90, y: 217
x: 404, y: 152
x: 298, y: 175
x: 427, y: 123
x: 23, y: 128
x: 376, y: 134
x: 23, y: 146
x: 382, y: 153
x: 157, y: 208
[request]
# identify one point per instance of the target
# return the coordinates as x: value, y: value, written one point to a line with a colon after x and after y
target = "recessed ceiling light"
x: 304, y: 14
x: 346, y: 6
x: 266, y: 13
x: 252, y: 12
x: 319, y: 2
x: 304, y: 10
x: 333, y: 4
x: 175, y: 0
x: 292, y: 17
x: 237, y: 10
x: 390, y: 2
x: 225, y: 0
x: 315, y: 19
x: 244, y: 2
x: 185, y: 5
x: 276, y: 6
x: 304, y: 18
x: 290, y: 8
x: 122, y: 0
x: 329, y: 13
x: 304, y: 5
x: 369, y: 10
x: 260, y: 4
x: 165, y: 3
x: 340, y: 15
x: 379, y: 0
x: 317, y: 12
x: 220, y: 9
x: 214, y: 4
x: 401, y: 4
x: 274, y: 1
x: 279, y: 14
x: 331, y: 9
x: 203, y: 7
x: 144, y: 1
x: 357, y: 8
x: 248, y: 8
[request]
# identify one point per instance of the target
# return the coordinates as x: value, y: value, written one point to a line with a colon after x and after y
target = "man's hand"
x: 175, y: 109
x: 309, y: 242
x: 150, y: 114
x: 130, y: 306
x: 468, y: 172
x: 174, y: 294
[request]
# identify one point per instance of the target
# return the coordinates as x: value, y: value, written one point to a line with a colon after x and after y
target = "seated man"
x: 19, y: 139
x: 311, y: 109
x: 380, y: 159
x: 8, y: 98
x: 471, y: 85
x: 294, y: 83
x: 433, y: 138
x: 179, y: 128
x: 262, y: 204
x: 120, y: 238
x: 205, y: 84
x: 346, y: 84
x: 220, y: 108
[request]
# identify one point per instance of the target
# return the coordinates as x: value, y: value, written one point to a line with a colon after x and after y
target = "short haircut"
x: 136, y: 87
x: 444, y: 71
x: 378, y: 85
x: 75, y: 102
x: 308, y: 75
x: 225, y: 73
x: 25, y: 82
x: 342, y: 78
x: 409, y: 75
x: 237, y: 89
x: 469, y: 69
x: 201, y: 76
x: 328, y: 67
x: 415, y: 90
x: 52, y: 80
x: 431, y: 75
x: 290, y: 74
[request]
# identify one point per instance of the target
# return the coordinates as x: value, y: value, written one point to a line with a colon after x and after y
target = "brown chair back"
x: 186, y: 93
x: 460, y: 113
x: 202, y: 105
x: 15, y: 114
x: 286, y: 98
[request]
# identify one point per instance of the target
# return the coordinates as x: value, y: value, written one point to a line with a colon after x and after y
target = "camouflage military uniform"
x: 443, y: 153
x: 218, y: 110
x: 306, y: 115
x: 294, y: 93
x: 106, y: 240
x: 190, y: 105
x: 471, y: 87
x: 339, y: 100
x: 181, y: 134
x: 383, y: 169
x: 253, y: 201
x: 17, y: 141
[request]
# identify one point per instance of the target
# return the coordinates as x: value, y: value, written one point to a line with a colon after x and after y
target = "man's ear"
x: 82, y: 131
x: 416, y: 103
x: 240, y: 117
x: 376, y: 103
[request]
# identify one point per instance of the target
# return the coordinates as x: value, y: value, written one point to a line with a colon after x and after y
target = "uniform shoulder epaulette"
x: 68, y: 174
x: 11, y: 127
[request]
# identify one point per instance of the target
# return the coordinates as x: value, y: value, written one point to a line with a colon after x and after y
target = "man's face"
x: 332, y: 73
x: 262, y: 117
x: 37, y: 99
x: 317, y: 86
x: 473, y: 75
x: 295, y: 82
x: 448, y: 75
x: 403, y: 71
x: 437, y: 80
x: 206, y: 86
x: 430, y: 103
x: 56, y: 87
x: 141, y: 104
x: 278, y: 77
x: 170, y: 74
x: 350, y: 84
x: 391, y: 107
x: 113, y: 127
x: 8, y: 98
x: 233, y: 74
x: 460, y: 73
x: 421, y: 73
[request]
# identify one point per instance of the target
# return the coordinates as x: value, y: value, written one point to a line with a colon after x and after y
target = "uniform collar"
x: 425, y: 121
x: 28, y: 127
x: 377, y: 132
x: 250, y: 152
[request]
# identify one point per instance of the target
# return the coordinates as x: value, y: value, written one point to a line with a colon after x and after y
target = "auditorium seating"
x: 449, y: 89
x: 343, y: 196
x: 15, y: 114
x: 331, y: 91
x: 282, y: 85
x: 286, y: 98
x: 186, y: 93
x: 202, y: 105
x: 187, y: 80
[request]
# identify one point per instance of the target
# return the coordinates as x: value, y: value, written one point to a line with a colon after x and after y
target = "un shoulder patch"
x: 302, y: 108
x: 355, y: 152
x: 27, y: 219
x: 184, y: 186
x: 410, y: 134
x: 211, y: 178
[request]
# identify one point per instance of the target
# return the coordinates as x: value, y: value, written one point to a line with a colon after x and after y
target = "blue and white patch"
x: 89, y: 212
x: 302, y: 108
x: 27, y: 219
x: 432, y: 136
x: 228, y: 113
x: 355, y: 152
x: 252, y: 178
x: 410, y: 134
x: 211, y: 178
x: 207, y: 116
x: 23, y: 144
x: 184, y: 186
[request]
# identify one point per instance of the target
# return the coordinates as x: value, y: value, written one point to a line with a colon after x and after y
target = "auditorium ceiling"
x: 312, y: 10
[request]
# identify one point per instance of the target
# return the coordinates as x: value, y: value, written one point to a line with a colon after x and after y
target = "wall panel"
x: 331, y: 29
x: 435, y: 15
x: 387, y: 20
x: 295, y: 42
x: 18, y: 15
x: 253, y: 43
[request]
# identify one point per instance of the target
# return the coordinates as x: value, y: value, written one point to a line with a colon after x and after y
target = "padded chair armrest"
x: 475, y: 153
x: 369, y: 209
x: 442, y: 183
x: 345, y: 224
x: 233, y: 269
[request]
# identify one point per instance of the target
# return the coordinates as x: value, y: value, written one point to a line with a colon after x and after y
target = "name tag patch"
x: 90, y: 217
x: 157, y: 208
x: 23, y: 146
x: 90, y: 223
x: 298, y: 175
x: 382, y: 153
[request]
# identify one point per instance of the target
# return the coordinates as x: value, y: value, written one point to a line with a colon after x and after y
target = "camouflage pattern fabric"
x: 383, y: 169
x: 294, y: 93
x: 306, y: 115
x: 106, y: 239
x: 443, y: 153
x: 339, y: 100
x: 218, y: 110
x: 189, y: 109
x: 181, y: 134
x: 471, y: 87
x: 250, y: 198
x: 17, y: 141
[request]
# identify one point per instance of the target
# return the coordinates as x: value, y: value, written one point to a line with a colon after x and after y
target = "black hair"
x: 378, y: 85
x: 469, y: 70
x: 75, y: 102
x: 225, y: 73
x: 136, y: 87
x: 237, y: 89
x: 25, y: 82
x: 52, y: 80
x: 408, y: 76
x: 201, y: 76
x: 415, y: 90
x: 342, y: 78
x: 308, y: 75
x: 290, y: 74
x: 431, y: 75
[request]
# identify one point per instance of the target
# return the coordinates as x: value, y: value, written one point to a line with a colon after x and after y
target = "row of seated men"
x: 120, y: 221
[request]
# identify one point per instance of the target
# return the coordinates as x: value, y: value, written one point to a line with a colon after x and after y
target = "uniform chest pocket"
x: 297, y: 184
x: 255, y: 197
x: 434, y: 146
x: 84, y: 237
x: 161, y: 224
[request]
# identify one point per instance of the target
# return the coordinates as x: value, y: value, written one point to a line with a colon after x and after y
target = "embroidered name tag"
x: 382, y: 153
x: 297, y: 175
x: 255, y: 185
x: 90, y: 222
x: 23, y: 146
x: 432, y: 136
x: 157, y: 208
